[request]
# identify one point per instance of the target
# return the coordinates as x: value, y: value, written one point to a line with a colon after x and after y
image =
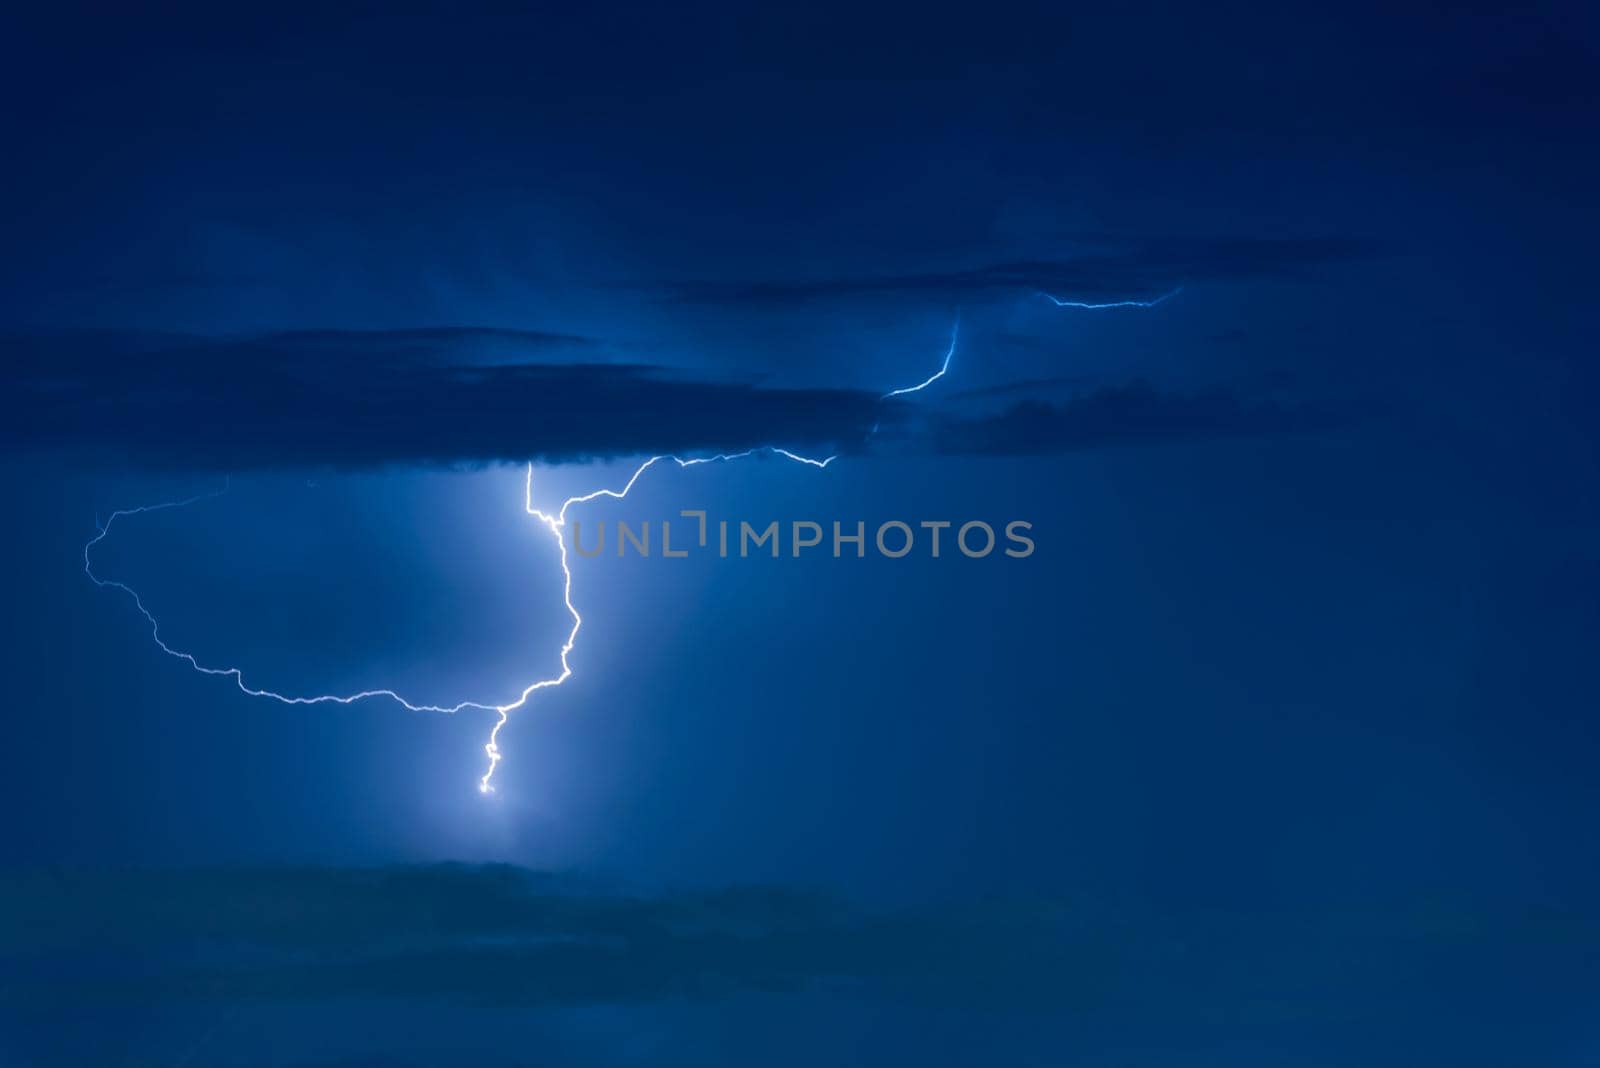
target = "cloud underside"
x: 364, y: 399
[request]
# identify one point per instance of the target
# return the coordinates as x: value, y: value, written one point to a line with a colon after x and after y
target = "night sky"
x: 1279, y: 750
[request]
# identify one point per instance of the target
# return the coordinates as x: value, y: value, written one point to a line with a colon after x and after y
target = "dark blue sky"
x: 1278, y: 750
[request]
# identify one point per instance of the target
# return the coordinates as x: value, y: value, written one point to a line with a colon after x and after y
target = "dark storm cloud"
x: 1118, y: 269
x: 343, y: 398
x: 506, y: 936
x: 353, y: 398
x: 488, y: 934
x: 1134, y: 414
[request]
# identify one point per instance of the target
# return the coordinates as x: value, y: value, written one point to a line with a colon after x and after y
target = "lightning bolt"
x: 554, y: 522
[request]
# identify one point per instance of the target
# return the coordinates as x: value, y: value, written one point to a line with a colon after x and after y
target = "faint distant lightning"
x: 1058, y: 302
x: 554, y: 522
x: 931, y: 379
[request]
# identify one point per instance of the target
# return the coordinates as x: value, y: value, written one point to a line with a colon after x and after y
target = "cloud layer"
x: 505, y: 936
x: 350, y: 398
x: 339, y: 398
